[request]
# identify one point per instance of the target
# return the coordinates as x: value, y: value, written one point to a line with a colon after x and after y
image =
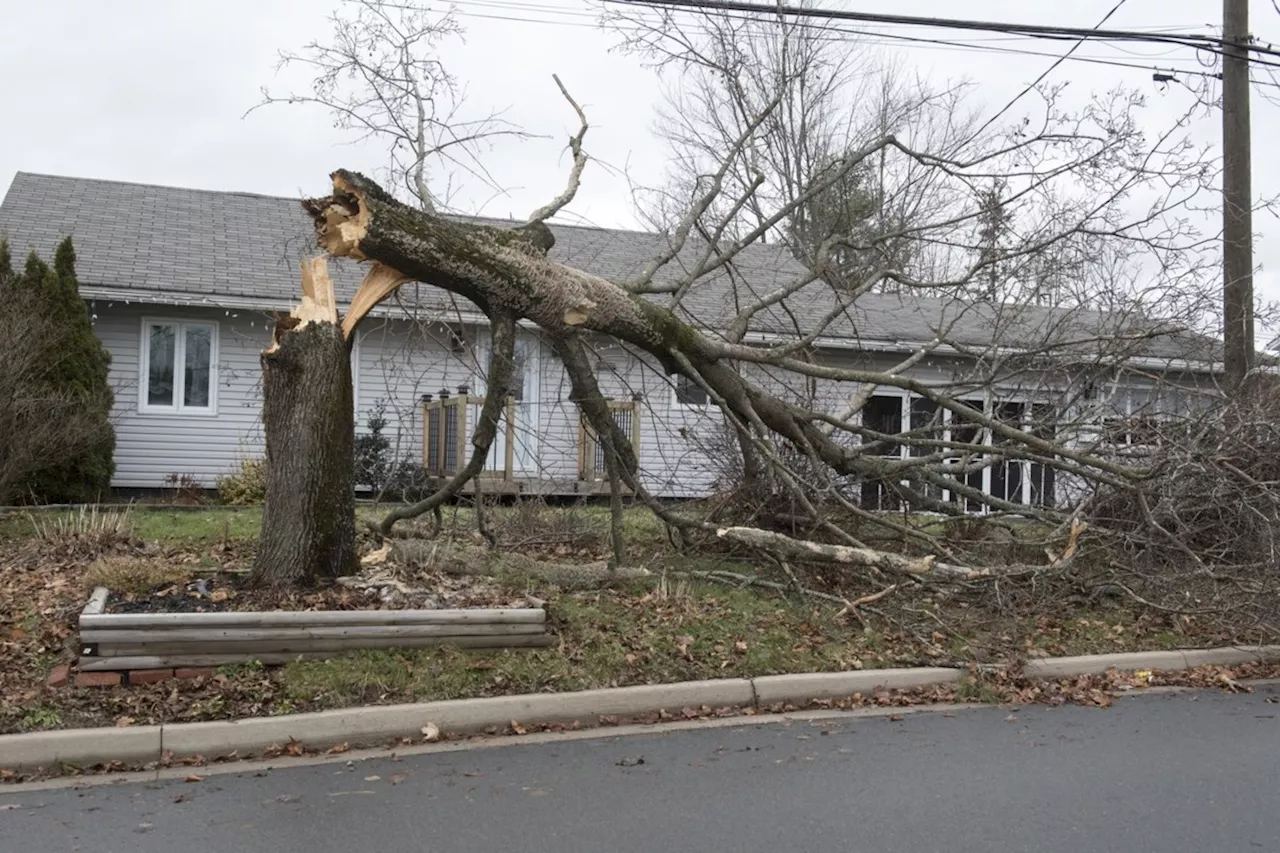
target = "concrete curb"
x: 1098, y: 664
x: 380, y: 723
x: 80, y: 747
x: 804, y: 686
x: 374, y: 725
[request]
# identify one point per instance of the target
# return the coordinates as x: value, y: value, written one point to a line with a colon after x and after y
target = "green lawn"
x: 658, y: 632
x: 658, y: 629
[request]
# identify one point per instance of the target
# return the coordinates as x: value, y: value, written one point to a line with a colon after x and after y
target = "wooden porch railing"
x: 591, y: 466
x: 446, y: 435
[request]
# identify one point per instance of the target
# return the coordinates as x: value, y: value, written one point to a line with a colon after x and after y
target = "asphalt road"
x: 1169, y: 773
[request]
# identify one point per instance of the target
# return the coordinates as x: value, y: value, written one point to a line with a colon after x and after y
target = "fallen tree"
x: 914, y: 203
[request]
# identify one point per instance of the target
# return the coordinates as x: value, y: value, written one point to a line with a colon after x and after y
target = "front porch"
x: 512, y: 464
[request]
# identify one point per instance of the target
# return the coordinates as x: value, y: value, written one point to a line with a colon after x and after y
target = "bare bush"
x: 1200, y: 537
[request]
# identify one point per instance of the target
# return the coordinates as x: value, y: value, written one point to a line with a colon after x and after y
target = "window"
x: 968, y: 432
x: 1044, y: 425
x: 179, y: 367
x: 520, y: 370
x: 882, y: 414
x: 971, y: 458
x: 927, y: 424
x: 690, y: 393
x: 1006, y: 473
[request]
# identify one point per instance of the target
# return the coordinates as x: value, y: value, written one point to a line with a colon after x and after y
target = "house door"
x: 524, y: 456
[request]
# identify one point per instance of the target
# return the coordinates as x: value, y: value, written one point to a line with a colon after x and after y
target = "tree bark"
x: 308, y: 522
x: 507, y: 271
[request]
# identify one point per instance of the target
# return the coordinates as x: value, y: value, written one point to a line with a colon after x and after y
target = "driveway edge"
x: 377, y: 724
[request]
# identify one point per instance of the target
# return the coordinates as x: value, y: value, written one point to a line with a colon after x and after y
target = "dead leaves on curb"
x: 1006, y: 686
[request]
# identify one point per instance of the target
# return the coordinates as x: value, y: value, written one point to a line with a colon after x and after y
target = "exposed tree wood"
x: 800, y: 549
x: 851, y: 609
x: 200, y: 635
x: 379, y: 282
x: 97, y: 601
x: 318, y: 303
x: 308, y: 522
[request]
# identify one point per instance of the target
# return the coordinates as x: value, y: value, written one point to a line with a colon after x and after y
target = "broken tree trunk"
x: 508, y: 272
x: 308, y: 522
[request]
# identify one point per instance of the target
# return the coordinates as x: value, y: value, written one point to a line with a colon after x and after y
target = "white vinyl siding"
x: 152, y: 445
x: 685, y: 450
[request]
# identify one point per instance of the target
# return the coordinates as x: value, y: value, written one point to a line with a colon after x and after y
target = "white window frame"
x: 688, y: 407
x: 179, y: 367
x: 989, y: 401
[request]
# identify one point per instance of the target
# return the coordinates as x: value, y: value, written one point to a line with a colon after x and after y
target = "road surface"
x: 1191, y: 772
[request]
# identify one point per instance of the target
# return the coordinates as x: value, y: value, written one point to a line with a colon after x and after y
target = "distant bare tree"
x: 817, y: 98
x: 380, y: 78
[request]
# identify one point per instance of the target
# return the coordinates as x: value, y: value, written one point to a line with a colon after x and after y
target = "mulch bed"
x: 222, y: 592
x: 43, y: 590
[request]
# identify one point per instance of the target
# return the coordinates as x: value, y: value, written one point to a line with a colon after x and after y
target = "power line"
x: 574, y: 12
x: 1032, y: 85
x: 1212, y: 44
x: 1162, y: 71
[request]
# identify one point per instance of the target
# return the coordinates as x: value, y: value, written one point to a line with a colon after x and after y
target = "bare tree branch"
x: 575, y: 174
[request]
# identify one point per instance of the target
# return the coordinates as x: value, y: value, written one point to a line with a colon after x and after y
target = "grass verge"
x: 660, y: 630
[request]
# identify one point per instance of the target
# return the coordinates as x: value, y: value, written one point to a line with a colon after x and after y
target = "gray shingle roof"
x: 167, y: 244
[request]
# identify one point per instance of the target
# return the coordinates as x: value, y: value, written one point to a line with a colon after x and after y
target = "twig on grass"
x: 851, y: 608
x: 741, y: 580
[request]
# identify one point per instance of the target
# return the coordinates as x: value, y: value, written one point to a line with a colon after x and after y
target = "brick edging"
x: 61, y: 676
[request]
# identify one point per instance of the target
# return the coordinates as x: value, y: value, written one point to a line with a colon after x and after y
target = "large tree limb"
x: 921, y: 568
x: 508, y: 271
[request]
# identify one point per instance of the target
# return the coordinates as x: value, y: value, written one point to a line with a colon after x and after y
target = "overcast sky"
x: 155, y: 92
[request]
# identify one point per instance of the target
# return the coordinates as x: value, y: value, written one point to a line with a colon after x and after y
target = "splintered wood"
x: 318, y: 304
x: 379, y: 282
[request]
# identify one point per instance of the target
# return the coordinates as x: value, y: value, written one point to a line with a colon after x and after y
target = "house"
x: 183, y: 286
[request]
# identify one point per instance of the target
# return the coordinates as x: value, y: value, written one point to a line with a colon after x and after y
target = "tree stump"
x: 308, y: 522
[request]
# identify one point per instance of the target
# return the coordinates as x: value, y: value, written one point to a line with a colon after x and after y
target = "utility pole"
x: 1237, y: 194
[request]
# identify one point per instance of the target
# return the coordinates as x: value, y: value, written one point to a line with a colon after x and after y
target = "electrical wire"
x: 1162, y: 72
x: 1030, y: 87
x: 1212, y: 44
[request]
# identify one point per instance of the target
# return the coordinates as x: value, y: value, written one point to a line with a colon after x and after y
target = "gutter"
x: 152, y: 297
